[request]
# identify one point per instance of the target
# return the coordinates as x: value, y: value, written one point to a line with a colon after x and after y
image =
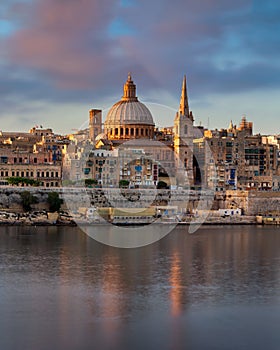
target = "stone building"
x: 36, y: 155
x: 242, y: 160
x: 129, y: 122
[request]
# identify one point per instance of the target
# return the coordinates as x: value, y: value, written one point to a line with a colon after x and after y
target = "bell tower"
x: 95, y: 123
x: 183, y: 140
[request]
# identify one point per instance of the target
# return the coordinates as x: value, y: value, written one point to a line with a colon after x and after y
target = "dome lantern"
x: 129, y: 90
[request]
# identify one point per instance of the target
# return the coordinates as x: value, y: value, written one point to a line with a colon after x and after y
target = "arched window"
x: 137, y: 131
x: 126, y: 131
x: 142, y: 132
x: 116, y: 131
x: 186, y: 130
x: 121, y: 133
x: 132, y: 132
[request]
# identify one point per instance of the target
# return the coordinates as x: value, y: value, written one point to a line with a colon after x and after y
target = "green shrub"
x: 124, y: 183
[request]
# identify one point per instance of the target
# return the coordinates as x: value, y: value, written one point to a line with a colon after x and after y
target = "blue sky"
x: 59, y: 58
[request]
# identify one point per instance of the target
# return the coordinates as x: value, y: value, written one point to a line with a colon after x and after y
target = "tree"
x: 123, y: 183
x: 54, y: 201
x: 90, y: 182
x: 162, y: 185
x: 16, y: 181
x: 27, y: 199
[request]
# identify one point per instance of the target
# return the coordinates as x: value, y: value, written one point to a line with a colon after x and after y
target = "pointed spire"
x: 230, y: 125
x: 184, y: 103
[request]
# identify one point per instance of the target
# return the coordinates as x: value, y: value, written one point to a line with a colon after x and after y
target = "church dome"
x: 129, y: 111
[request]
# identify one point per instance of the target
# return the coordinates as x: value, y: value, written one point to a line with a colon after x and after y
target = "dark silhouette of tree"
x: 27, y: 199
x: 54, y: 201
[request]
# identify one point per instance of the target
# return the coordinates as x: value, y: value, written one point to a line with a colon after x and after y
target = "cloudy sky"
x: 60, y: 58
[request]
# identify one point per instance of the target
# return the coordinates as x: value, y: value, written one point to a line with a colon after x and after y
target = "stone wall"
x: 251, y: 202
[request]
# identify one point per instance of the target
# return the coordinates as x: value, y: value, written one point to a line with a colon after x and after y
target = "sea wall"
x: 251, y: 202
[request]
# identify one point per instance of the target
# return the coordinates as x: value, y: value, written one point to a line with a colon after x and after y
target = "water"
x: 216, y: 289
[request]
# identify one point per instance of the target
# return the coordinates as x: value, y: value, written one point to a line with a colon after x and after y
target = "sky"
x: 60, y: 58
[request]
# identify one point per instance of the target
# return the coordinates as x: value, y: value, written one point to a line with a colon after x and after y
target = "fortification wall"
x: 251, y: 203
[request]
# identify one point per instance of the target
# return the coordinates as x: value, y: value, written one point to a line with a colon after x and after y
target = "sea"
x: 218, y: 288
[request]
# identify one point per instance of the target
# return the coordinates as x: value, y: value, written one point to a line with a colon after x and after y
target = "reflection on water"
x: 216, y: 289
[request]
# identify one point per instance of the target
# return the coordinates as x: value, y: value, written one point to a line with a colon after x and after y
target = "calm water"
x: 216, y: 289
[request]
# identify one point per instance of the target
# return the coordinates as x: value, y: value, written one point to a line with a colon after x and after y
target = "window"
x: 186, y: 130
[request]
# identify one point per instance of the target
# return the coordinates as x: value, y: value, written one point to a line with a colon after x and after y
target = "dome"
x: 129, y: 110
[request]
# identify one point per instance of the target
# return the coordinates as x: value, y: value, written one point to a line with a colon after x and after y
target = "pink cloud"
x: 66, y: 39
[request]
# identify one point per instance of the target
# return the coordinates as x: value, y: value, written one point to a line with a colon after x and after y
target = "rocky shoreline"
x: 43, y: 218
x: 40, y: 218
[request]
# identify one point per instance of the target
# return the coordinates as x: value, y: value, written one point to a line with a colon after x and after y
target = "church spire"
x: 129, y: 90
x: 184, y: 103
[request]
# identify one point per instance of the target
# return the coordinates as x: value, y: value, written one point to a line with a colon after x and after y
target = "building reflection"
x: 176, y: 280
x: 177, y: 272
